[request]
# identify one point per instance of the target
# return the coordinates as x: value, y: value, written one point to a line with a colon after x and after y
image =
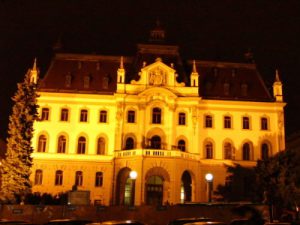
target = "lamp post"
x: 209, y: 179
x: 133, y: 176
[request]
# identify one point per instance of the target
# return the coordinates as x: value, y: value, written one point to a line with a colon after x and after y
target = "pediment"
x: 158, y: 74
x: 157, y: 94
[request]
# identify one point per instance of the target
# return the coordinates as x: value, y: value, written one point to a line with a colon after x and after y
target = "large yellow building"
x: 171, y: 121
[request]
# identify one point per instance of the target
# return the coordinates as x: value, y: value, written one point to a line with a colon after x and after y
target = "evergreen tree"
x: 16, y: 166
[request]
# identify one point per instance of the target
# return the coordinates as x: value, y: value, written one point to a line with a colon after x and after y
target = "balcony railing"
x: 156, y: 153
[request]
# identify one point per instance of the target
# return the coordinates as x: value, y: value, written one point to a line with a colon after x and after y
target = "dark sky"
x: 204, y: 29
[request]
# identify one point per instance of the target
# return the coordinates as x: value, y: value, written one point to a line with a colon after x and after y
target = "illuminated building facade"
x: 171, y: 122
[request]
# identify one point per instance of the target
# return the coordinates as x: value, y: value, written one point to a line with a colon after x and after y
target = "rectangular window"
x: 246, y: 123
x: 103, y: 116
x: 38, y: 177
x: 227, y: 122
x: 130, y: 116
x: 208, y: 122
x: 181, y: 119
x: 58, y: 178
x: 99, y: 179
x: 45, y: 114
x: 264, y: 123
x: 64, y: 115
x: 156, y: 115
x: 78, y: 178
x: 83, y: 115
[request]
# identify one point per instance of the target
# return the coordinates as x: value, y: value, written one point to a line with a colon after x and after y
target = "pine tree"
x: 18, y: 161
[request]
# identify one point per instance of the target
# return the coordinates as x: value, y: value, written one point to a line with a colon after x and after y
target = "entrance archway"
x: 154, y: 190
x: 124, y: 187
x: 186, y: 187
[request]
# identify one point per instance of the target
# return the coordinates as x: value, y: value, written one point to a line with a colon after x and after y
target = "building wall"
x: 168, y: 162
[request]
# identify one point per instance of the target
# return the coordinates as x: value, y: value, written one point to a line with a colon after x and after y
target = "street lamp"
x: 209, y: 179
x: 133, y: 176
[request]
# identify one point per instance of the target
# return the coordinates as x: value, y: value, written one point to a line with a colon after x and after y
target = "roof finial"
x: 277, y: 79
x: 194, y: 66
x: 121, y: 63
x: 34, y: 64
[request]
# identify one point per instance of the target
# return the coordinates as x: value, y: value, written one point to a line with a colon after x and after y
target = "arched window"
x: 264, y: 151
x: 81, y: 145
x: 58, y: 177
x: 101, y: 146
x: 227, y: 151
x: 38, y: 179
x: 246, y: 151
x: 42, y: 143
x: 99, y: 179
x: 83, y: 115
x: 61, y: 146
x: 129, y: 143
x: 181, y: 145
x: 156, y: 115
x: 156, y: 142
x: 209, y: 154
x: 78, y: 178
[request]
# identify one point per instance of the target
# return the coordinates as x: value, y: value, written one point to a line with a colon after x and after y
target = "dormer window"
x: 86, y: 81
x: 244, y: 89
x: 226, y: 87
x: 68, y: 80
x: 105, y: 81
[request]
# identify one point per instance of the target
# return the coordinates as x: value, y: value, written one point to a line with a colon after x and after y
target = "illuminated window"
x: 209, y: 154
x: 155, y: 142
x: 246, y: 151
x: 58, y: 177
x: 61, y: 146
x: 130, y: 116
x: 181, y: 119
x: 103, y: 116
x: 129, y: 143
x: 38, y: 179
x: 181, y: 145
x: 64, y: 115
x: 264, y: 123
x: 227, y: 151
x: 156, y: 115
x: 83, y: 115
x: 45, y: 114
x: 208, y: 121
x: 101, y: 146
x: 81, y: 145
x: 227, y: 122
x: 99, y: 179
x: 78, y: 178
x: 246, y: 123
x: 264, y: 151
x: 42, y: 143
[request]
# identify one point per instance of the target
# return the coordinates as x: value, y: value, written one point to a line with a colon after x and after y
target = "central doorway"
x: 154, y: 190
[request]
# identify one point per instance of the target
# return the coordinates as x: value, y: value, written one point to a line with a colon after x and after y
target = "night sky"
x: 204, y: 29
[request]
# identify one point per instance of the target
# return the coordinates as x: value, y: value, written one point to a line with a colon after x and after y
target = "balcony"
x: 156, y: 153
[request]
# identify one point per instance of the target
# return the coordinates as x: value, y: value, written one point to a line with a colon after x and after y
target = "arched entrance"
x: 186, y: 187
x: 156, y: 186
x: 154, y: 190
x: 155, y: 142
x: 124, y: 187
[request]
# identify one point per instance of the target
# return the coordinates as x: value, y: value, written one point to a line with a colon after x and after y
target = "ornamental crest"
x: 157, y: 77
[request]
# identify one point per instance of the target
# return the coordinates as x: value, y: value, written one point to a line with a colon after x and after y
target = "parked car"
x: 118, y: 222
x: 182, y: 221
x: 68, y: 222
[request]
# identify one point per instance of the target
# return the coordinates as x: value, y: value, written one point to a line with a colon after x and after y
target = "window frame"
x: 61, y: 148
x: 99, y: 179
x: 81, y: 146
x: 59, y: 176
x: 246, y: 123
x: 156, y: 115
x: 264, y: 123
x: 42, y: 143
x: 131, y: 116
x: 83, y: 115
x: 208, y: 121
x: 45, y: 114
x: 182, y: 118
x: 38, y: 177
x: 103, y: 114
x: 78, y: 178
x: 181, y: 145
x: 227, y: 122
x: 64, y: 115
